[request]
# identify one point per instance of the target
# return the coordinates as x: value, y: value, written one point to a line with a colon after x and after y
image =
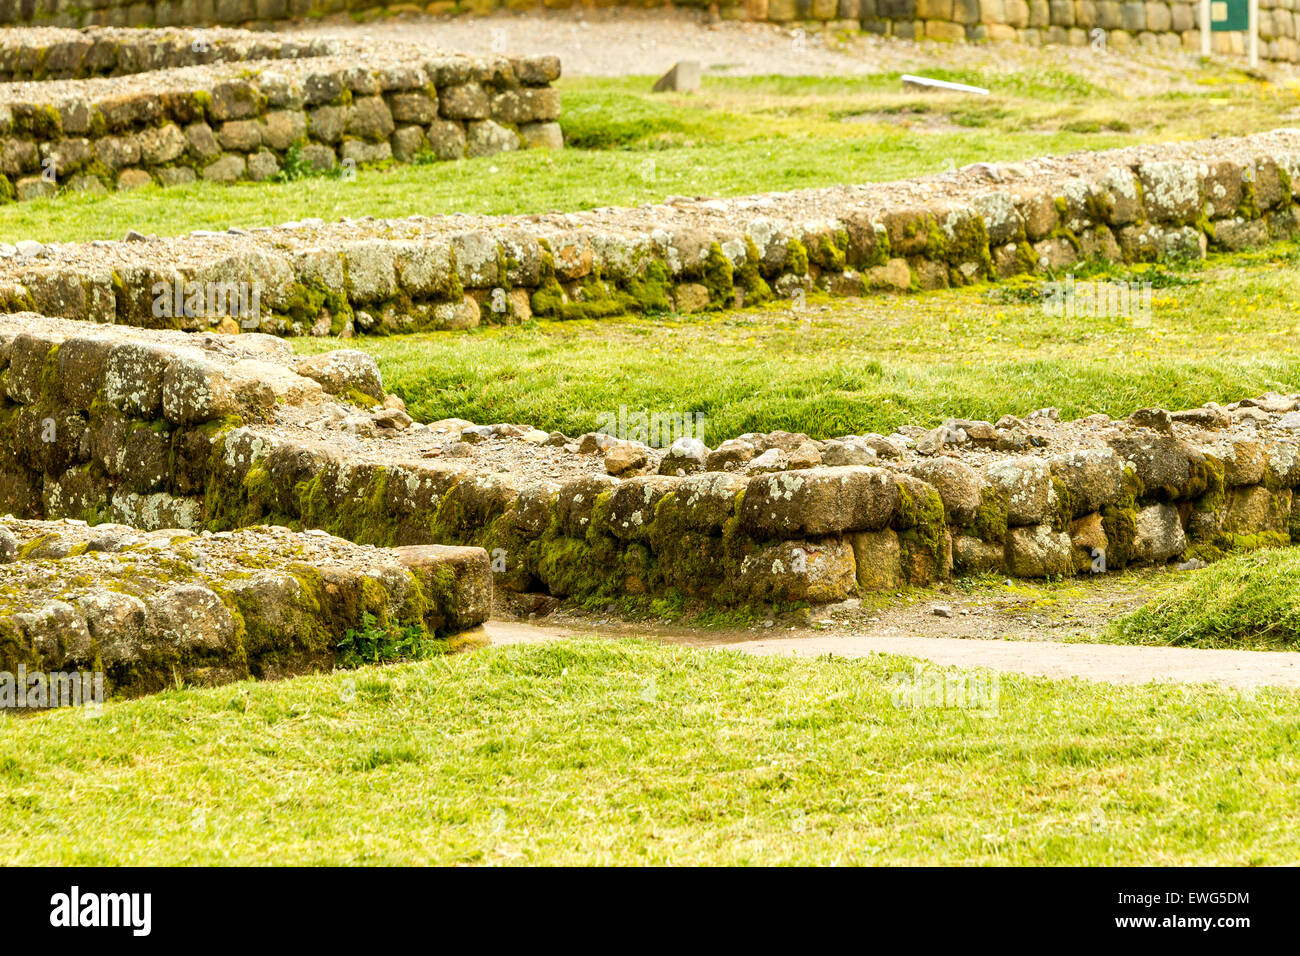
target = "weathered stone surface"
x: 632, y: 503
x: 151, y: 607
x: 457, y: 580
x: 959, y: 485
x: 342, y: 371
x: 878, y: 560
x: 1255, y: 509
x: 684, y: 456
x: 819, y: 501
x: 1159, y: 534
x: 705, y: 503
x: 816, y: 571
x: 1037, y: 551
x: 487, y: 138
x: 1025, y: 487
x: 626, y: 459
x: 1092, y: 478
x: 971, y: 555
x: 1166, y: 466
x: 577, y: 498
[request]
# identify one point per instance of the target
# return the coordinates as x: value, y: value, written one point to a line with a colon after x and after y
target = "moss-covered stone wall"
x: 55, y: 54
x: 146, y: 611
x: 201, y: 433
x: 266, y: 119
x: 985, y: 223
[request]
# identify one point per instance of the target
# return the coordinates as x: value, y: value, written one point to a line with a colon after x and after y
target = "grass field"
x: 1219, y: 331
x: 738, y: 136
x: 1245, y: 601
x: 627, y: 752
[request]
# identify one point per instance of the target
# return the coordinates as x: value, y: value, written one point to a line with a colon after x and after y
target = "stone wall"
x: 150, y: 610
x: 116, y: 429
x: 231, y: 121
x: 1118, y: 24
x: 56, y: 54
x: 985, y: 222
x: 218, y: 432
x: 1126, y: 23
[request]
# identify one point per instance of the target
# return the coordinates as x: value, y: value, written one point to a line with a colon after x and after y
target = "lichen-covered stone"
x: 1025, y: 487
x: 1159, y: 534
x: 1092, y: 478
x: 818, y: 571
x: 343, y: 372
x: 1036, y: 551
x: 819, y: 501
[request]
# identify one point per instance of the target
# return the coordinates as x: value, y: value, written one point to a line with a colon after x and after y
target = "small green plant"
x: 375, y: 643
x: 294, y: 167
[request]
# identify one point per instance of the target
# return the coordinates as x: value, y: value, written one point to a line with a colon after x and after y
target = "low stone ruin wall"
x: 985, y: 222
x: 219, y: 432
x: 1145, y: 23
x: 246, y: 120
x: 57, y: 54
x: 146, y: 611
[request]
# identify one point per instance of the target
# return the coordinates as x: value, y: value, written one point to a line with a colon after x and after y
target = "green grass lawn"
x: 1249, y: 601
x: 737, y: 136
x: 1222, y: 330
x: 629, y: 752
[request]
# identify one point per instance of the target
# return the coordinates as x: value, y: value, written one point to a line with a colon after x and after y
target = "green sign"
x: 1229, y: 15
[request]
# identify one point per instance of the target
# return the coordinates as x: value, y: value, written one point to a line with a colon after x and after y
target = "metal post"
x: 1205, y: 27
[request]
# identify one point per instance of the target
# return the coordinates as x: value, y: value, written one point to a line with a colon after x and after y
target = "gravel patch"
x: 631, y: 42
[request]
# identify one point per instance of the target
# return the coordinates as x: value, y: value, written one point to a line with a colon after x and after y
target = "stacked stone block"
x: 57, y: 54
x: 246, y: 121
x: 148, y: 610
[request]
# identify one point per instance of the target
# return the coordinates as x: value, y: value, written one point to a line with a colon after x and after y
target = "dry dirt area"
x: 1017, y: 629
x: 628, y: 42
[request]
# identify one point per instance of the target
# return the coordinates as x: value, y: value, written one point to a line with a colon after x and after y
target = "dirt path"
x: 630, y: 42
x: 1111, y: 663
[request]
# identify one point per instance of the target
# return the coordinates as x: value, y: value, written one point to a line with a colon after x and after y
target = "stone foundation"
x: 1151, y: 24
x: 215, y: 432
x: 237, y: 119
x: 56, y: 54
x: 982, y: 223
